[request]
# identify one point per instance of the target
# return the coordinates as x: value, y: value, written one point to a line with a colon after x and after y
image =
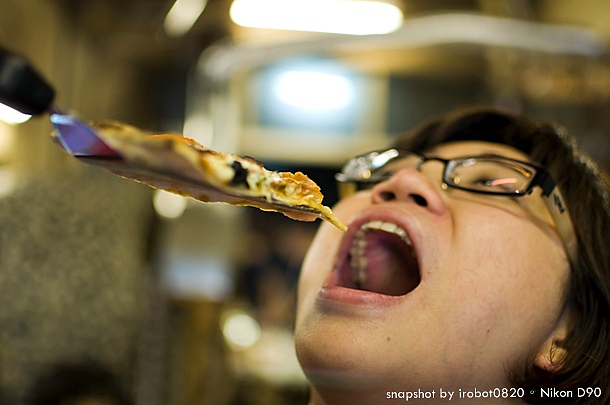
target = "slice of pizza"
x: 182, y: 166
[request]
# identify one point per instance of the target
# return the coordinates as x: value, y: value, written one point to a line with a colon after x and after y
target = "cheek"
x: 509, y: 280
x: 506, y: 245
x: 322, y: 252
x: 320, y: 255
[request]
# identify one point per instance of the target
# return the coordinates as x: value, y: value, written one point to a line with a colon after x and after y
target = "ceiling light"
x: 355, y: 17
x: 12, y: 116
x: 182, y: 16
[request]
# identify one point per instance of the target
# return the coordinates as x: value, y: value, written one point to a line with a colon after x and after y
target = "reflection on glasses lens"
x: 489, y: 175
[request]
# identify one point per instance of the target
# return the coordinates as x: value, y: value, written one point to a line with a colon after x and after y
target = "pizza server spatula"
x: 25, y: 90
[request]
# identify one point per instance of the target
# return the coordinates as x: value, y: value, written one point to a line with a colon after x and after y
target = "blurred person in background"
x: 476, y: 259
x: 80, y: 383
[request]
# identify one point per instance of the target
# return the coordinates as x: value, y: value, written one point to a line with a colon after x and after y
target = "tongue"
x: 392, y: 269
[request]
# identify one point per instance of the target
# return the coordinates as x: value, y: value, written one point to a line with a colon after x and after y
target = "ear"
x: 552, y: 353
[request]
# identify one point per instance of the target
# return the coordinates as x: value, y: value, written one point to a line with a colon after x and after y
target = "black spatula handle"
x: 22, y: 87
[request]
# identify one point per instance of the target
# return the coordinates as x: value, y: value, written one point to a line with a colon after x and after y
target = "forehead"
x: 472, y: 148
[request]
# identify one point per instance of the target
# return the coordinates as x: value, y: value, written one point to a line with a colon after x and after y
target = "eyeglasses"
x: 483, y: 174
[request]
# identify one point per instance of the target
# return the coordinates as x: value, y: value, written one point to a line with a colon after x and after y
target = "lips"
x: 377, y: 256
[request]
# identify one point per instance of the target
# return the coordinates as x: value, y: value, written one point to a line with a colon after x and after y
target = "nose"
x: 412, y: 187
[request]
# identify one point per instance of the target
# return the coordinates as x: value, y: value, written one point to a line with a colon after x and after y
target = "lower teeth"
x: 358, y: 261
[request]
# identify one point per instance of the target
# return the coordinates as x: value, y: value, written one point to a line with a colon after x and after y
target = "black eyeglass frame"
x: 348, y: 184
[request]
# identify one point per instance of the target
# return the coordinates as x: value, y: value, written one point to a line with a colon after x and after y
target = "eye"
x: 506, y: 184
x: 489, y: 175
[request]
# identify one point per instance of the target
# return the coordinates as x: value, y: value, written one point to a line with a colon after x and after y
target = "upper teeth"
x: 387, y: 227
x: 358, y: 261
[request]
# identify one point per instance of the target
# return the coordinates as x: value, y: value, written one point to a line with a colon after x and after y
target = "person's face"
x: 479, y: 291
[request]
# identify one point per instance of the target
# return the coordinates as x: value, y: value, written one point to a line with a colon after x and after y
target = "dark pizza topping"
x: 240, y: 176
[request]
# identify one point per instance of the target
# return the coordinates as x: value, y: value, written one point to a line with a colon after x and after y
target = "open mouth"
x: 381, y: 259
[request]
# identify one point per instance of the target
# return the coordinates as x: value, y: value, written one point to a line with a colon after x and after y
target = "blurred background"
x: 188, y: 303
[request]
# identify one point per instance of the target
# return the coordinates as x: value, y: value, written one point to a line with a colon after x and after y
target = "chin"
x: 336, y: 363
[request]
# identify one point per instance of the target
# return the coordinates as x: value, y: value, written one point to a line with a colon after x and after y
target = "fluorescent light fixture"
x: 12, y: 116
x: 313, y: 90
x: 307, y: 94
x: 355, y: 17
x: 182, y: 16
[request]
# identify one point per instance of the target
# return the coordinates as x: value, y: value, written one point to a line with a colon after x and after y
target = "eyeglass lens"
x: 489, y: 175
x: 481, y: 174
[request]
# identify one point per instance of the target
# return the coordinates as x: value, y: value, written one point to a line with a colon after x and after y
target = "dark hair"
x: 586, y: 189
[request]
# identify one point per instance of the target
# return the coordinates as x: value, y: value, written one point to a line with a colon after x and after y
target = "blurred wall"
x: 74, y: 257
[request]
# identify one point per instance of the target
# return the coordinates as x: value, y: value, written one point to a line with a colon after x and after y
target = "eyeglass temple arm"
x: 559, y: 210
x: 563, y: 221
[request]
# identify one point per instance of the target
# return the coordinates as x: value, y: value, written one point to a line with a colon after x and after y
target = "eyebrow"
x: 478, y: 155
x: 486, y: 151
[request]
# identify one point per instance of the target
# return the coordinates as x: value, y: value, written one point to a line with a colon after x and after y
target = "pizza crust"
x: 182, y: 166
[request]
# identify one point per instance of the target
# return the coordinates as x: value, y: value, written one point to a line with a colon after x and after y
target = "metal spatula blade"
x: 78, y: 139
